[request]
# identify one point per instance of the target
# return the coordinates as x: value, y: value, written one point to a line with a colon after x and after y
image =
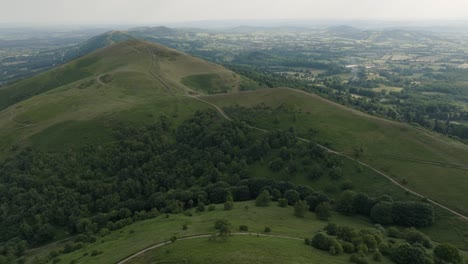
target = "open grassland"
x: 133, y: 238
x: 240, y: 249
x: 347, y: 129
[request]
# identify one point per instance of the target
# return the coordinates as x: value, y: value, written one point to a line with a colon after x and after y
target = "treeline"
x: 383, y: 210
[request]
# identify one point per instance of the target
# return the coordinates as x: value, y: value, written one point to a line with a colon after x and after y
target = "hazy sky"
x: 156, y: 11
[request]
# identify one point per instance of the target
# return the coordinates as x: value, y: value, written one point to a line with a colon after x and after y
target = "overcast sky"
x: 157, y: 11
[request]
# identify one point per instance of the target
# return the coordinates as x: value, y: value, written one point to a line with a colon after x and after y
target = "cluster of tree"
x: 343, y: 239
x: 375, y: 243
x: 384, y: 210
x: 146, y: 171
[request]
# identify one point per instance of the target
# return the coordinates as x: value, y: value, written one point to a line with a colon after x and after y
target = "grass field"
x: 240, y: 250
x: 128, y: 240
x: 208, y: 83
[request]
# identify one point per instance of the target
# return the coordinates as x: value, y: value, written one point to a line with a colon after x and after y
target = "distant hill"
x: 100, y: 41
x: 401, y: 35
x: 346, y: 32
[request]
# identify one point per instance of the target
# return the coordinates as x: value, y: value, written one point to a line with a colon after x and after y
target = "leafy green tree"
x: 282, y: 202
x: 223, y: 226
x: 229, y: 204
x: 414, y: 236
x: 263, y: 199
x: 321, y: 241
x: 382, y: 213
x: 200, y: 207
x: 292, y: 196
x: 416, y: 214
x: 405, y: 253
x: 345, y: 203
x: 447, y: 253
x: 300, y: 208
x: 323, y: 211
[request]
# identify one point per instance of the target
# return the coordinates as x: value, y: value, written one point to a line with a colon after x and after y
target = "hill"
x: 114, y: 79
x: 347, y: 32
x: 423, y: 161
x: 131, y: 131
x: 99, y: 42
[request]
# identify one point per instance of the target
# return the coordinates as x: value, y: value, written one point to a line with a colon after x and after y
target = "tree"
x: 382, y: 213
x: 345, y: 203
x: 405, y: 253
x: 224, y: 227
x: 300, y: 208
x: 292, y: 196
x: 282, y: 202
x: 229, y: 204
x: 322, y: 211
x: 321, y: 241
x: 263, y: 199
x: 447, y: 253
x: 200, y: 207
x: 416, y: 214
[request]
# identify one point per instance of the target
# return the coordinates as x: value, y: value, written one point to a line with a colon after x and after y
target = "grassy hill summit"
x: 107, y: 82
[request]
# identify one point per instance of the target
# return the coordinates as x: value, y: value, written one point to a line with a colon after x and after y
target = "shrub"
x: 200, y: 207
x: 394, y: 232
x: 300, y: 208
x: 211, y: 207
x: 358, y: 259
x: 282, y: 202
x: 267, y: 230
x: 321, y: 241
x: 377, y: 256
x: 413, y: 236
x: 405, y: 253
x: 243, y: 228
x: 335, y: 247
x: 263, y: 199
x: 446, y: 253
x: 348, y: 247
x: 332, y: 229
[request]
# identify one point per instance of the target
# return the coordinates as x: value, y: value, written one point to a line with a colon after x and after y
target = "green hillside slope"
x: 130, y: 80
x: 431, y: 164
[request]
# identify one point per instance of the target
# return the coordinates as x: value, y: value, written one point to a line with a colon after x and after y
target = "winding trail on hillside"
x: 381, y: 173
x: 437, y: 163
x: 162, y: 244
x: 391, y: 179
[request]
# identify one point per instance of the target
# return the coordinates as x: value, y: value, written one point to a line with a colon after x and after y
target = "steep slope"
x: 113, y: 81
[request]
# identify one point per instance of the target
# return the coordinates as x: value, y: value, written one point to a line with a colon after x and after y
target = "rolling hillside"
x: 432, y: 164
x: 133, y: 79
x: 82, y: 103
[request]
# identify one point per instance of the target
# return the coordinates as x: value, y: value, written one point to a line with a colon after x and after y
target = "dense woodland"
x: 160, y: 169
